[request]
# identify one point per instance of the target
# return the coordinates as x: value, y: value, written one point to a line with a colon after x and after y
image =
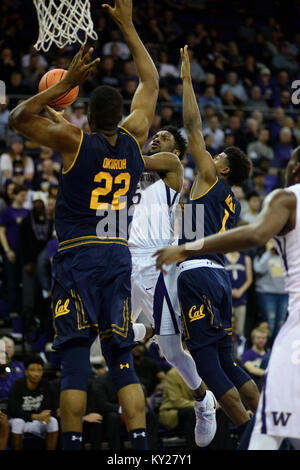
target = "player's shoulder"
x: 285, y: 196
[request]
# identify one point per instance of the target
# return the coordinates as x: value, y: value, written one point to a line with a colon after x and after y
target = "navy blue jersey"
x: 96, y: 191
x: 221, y: 212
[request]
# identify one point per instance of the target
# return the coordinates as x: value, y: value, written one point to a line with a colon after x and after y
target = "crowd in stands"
x: 245, y: 55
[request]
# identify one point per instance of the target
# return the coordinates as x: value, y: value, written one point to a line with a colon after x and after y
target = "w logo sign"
x: 280, y: 418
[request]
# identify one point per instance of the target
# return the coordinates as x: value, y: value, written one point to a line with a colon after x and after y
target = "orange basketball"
x: 51, y: 78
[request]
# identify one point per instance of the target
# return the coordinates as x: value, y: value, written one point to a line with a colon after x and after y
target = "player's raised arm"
x: 59, y: 135
x: 145, y: 98
x: 193, y: 123
x: 276, y: 216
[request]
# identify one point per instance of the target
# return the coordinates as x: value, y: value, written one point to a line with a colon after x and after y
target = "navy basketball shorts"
x: 206, y: 308
x: 92, y: 295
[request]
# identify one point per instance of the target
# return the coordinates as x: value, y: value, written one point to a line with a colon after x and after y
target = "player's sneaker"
x: 206, y: 424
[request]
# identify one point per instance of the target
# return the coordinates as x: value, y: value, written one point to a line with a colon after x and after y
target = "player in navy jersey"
x: 91, y: 271
x: 204, y: 287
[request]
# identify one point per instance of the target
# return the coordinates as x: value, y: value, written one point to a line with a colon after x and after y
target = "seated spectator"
x: 148, y: 371
x: 16, y: 153
x: 215, y: 131
x: 33, y: 73
x: 284, y: 148
x: 256, y: 101
x: 128, y: 92
x: 108, y: 76
x: 16, y: 367
x: 238, y: 343
x: 283, y: 80
x: 254, y: 203
x: 269, y: 91
x: 251, y: 131
x: 260, y: 147
x: 47, y: 177
x: 235, y: 86
x: 7, y: 63
x: 270, y: 288
x: 25, y: 61
x: 284, y: 60
x: 123, y: 50
x: 177, y: 412
x: 166, y: 69
x: 259, y: 180
x: 256, y: 358
x: 16, y: 86
x: 240, y: 195
x: 276, y: 123
x: 47, y: 152
x: 197, y: 73
x: 10, y: 221
x: 169, y: 116
x: 249, y: 71
x: 30, y: 406
x: 235, y: 125
x: 239, y: 268
x: 210, y: 97
x: 78, y: 116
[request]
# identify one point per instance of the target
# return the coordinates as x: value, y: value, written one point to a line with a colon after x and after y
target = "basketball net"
x: 63, y: 22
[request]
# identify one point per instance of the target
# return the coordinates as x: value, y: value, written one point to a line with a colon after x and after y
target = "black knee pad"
x: 120, y: 365
x: 75, y: 366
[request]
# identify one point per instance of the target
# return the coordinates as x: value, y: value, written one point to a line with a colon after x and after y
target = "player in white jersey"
x: 153, y: 293
x: 278, y: 413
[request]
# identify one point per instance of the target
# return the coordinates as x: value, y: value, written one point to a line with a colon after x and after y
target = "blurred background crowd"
x: 245, y: 57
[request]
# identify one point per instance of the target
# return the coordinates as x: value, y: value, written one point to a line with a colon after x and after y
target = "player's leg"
x: 260, y: 441
x: 17, y: 431
x: 4, y: 430
x: 244, y: 384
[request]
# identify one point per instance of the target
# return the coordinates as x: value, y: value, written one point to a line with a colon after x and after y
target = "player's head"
x: 168, y: 139
x: 292, y: 174
x: 105, y: 108
x: 233, y: 165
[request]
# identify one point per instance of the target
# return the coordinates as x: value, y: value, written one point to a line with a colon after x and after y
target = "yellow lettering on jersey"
x: 124, y: 365
x: 115, y: 163
x: 229, y: 203
x: 61, y: 309
x: 196, y: 314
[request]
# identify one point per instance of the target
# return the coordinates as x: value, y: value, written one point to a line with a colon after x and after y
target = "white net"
x: 63, y: 22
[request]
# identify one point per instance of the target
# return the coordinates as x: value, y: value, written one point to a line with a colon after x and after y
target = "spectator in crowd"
x: 7, y: 63
x: 210, y: 97
x: 284, y: 60
x: 47, y: 176
x: 235, y: 125
x: 10, y: 221
x: 30, y: 406
x: 233, y: 84
x: 254, y: 203
x: 238, y: 343
x: 276, y: 124
x: 177, y: 97
x: 259, y: 180
x: 240, y: 195
x: 16, y: 153
x: 251, y: 130
x: 147, y: 369
x: 35, y: 231
x: 267, y: 86
x: 256, y: 101
x: 33, y: 73
x: 239, y: 267
x: 260, y: 147
x: 78, y: 117
x: 284, y: 148
x: 256, y: 358
x: 177, y: 412
x: 123, y: 50
x: 16, y: 86
x: 47, y: 153
x: 215, y: 131
x: 167, y: 69
x: 270, y: 288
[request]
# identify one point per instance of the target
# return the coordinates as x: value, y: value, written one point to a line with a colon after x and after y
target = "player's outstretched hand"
x: 169, y: 255
x: 80, y: 66
x: 121, y: 13
x: 185, y: 66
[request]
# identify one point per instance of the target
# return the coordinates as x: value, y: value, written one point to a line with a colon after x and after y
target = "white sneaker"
x: 206, y: 424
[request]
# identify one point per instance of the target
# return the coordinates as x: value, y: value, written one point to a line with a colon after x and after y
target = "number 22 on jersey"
x: 120, y: 179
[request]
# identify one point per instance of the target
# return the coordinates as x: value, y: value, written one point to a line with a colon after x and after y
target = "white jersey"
x: 289, y: 249
x: 154, y: 214
x: 278, y: 413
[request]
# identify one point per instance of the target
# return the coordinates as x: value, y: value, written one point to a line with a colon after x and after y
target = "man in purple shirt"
x: 10, y: 220
x: 255, y: 359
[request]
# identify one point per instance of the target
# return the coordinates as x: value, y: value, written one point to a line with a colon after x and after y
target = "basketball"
x: 51, y: 78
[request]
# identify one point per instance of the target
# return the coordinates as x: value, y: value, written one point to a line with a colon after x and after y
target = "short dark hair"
x: 33, y: 359
x: 106, y: 107
x: 181, y: 143
x: 252, y: 194
x: 19, y: 188
x: 240, y: 165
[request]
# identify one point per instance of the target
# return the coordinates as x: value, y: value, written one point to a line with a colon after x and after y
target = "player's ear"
x: 225, y: 171
x: 177, y: 152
